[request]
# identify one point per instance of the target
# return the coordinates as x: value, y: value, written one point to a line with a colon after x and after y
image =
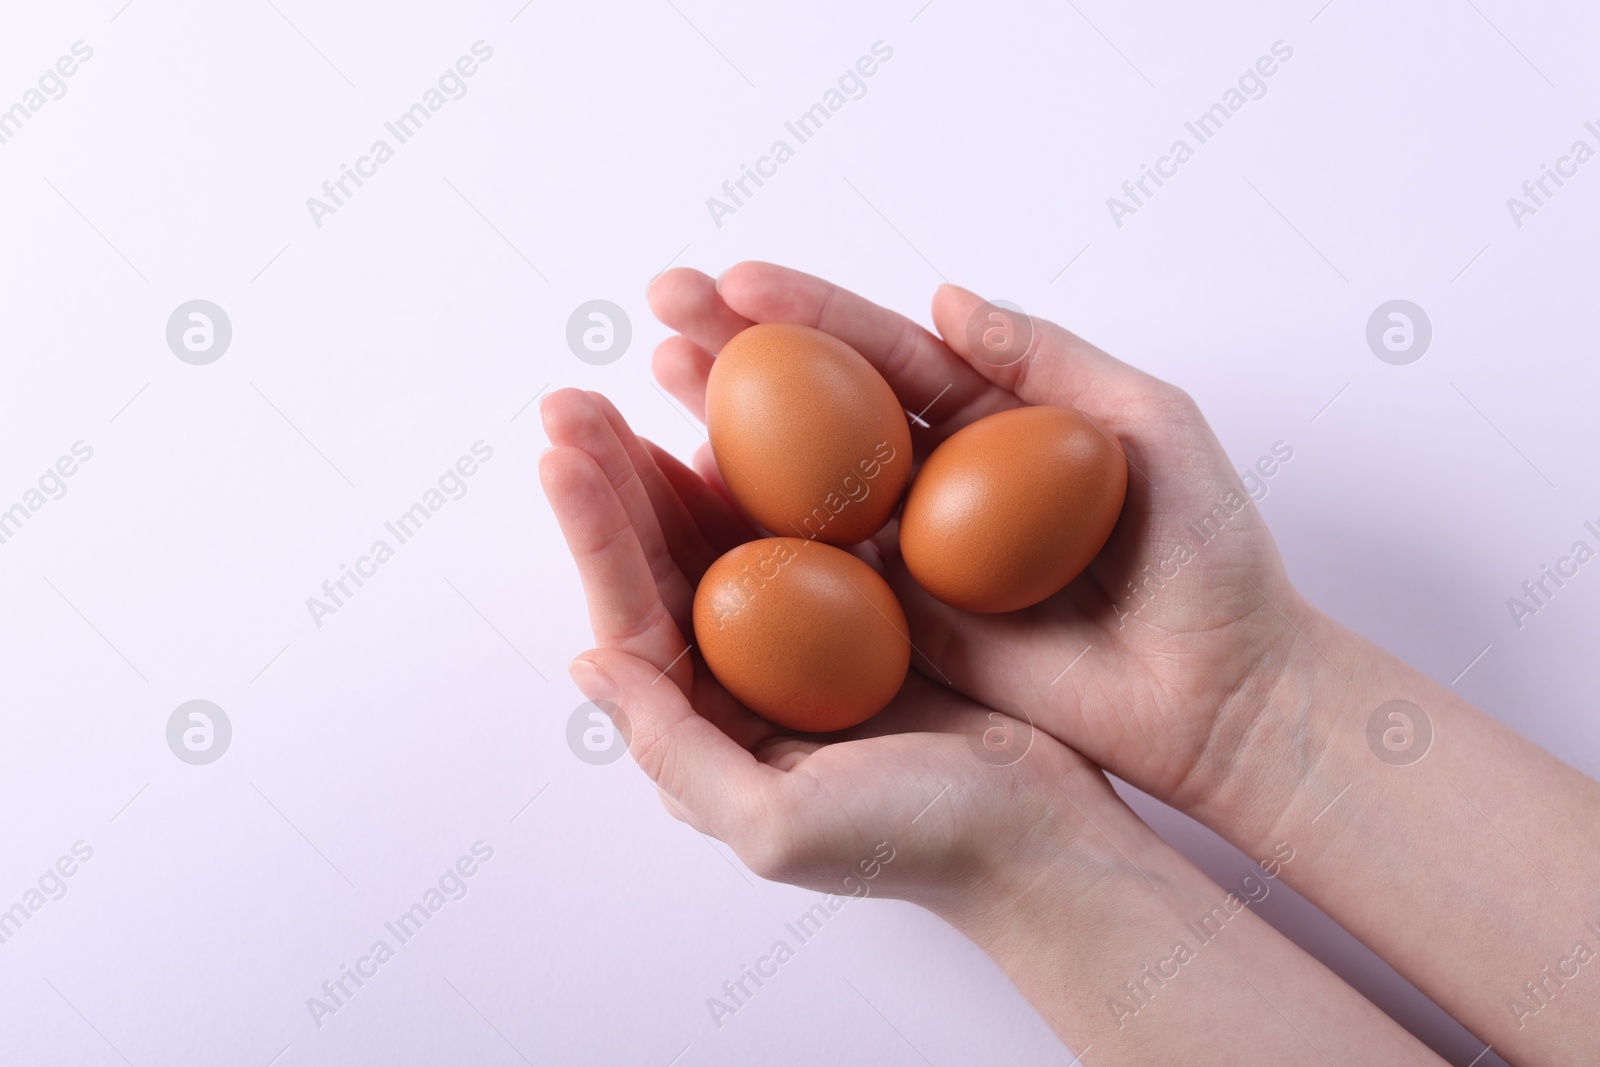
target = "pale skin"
x: 1214, y: 687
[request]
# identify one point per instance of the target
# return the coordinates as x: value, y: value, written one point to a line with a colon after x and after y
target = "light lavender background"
x: 369, y: 353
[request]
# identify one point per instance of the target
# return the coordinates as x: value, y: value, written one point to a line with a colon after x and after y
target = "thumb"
x: 1035, y: 359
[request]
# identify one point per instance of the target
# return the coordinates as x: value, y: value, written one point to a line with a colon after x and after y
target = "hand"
x: 1153, y: 662
x: 815, y: 810
x: 1039, y: 862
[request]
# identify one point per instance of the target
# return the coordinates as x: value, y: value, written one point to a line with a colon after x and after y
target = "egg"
x: 1008, y: 510
x: 808, y: 436
x: 804, y: 634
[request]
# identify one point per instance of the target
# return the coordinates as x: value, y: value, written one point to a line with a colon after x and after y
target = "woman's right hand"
x: 1217, y: 688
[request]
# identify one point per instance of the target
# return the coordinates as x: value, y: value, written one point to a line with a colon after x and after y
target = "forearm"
x: 1469, y: 859
x: 1133, y: 956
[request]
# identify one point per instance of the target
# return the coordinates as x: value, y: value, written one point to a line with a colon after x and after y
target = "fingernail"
x: 721, y: 276
x: 593, y: 682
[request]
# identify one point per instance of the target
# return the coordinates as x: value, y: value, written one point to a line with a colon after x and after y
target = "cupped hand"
x: 833, y: 812
x: 1154, y: 663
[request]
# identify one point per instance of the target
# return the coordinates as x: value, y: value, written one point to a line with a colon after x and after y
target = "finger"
x: 925, y: 375
x: 587, y: 421
x: 720, y: 785
x: 720, y: 522
x: 705, y: 464
x: 739, y: 722
x: 573, y: 418
x: 687, y: 301
x: 625, y: 607
x: 1058, y: 368
x: 686, y: 544
x: 683, y: 367
x: 1148, y: 419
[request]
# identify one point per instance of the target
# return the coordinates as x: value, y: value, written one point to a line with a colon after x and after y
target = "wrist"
x: 1081, y: 855
x: 1395, y: 794
x: 1100, y: 938
x: 1271, y: 750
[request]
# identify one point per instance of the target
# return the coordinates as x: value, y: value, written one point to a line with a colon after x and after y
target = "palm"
x: 1138, y: 691
x: 643, y: 528
x: 1132, y: 659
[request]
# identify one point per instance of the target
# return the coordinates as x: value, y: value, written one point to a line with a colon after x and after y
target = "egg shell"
x: 1008, y: 510
x: 807, y: 434
x: 802, y: 633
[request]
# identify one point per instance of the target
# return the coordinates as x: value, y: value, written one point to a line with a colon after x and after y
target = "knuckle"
x: 673, y: 808
x: 1179, y: 400
x: 770, y: 855
x: 1167, y: 403
x: 766, y: 842
x: 903, y: 352
x: 651, y: 752
x: 655, y: 619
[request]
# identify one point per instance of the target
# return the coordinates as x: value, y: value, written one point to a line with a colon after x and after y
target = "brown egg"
x: 807, y: 434
x: 804, y: 634
x: 1010, y: 509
